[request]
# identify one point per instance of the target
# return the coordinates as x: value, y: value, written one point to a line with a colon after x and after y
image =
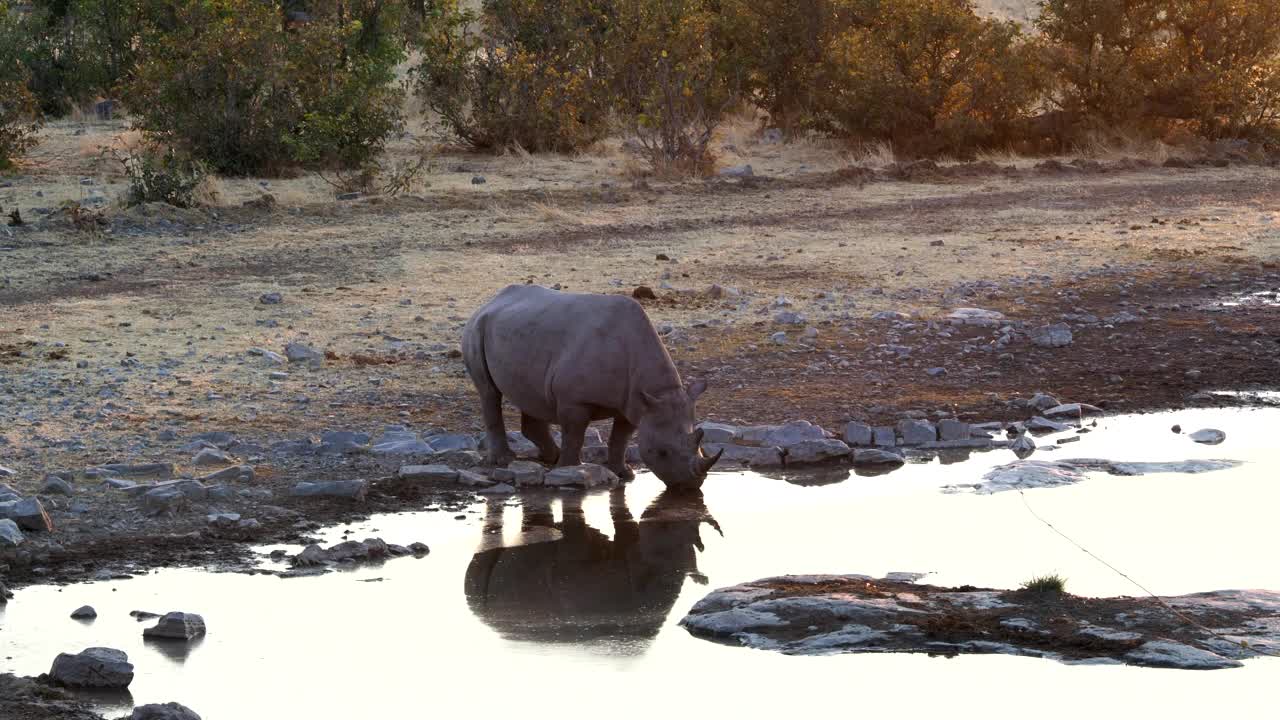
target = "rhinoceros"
x: 569, y: 359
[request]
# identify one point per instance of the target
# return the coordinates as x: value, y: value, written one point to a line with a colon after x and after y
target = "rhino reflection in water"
x: 583, y: 585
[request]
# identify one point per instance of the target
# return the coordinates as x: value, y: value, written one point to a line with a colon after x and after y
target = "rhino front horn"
x: 710, y: 461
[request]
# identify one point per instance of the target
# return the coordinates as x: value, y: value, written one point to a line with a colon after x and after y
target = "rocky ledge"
x: 823, y: 614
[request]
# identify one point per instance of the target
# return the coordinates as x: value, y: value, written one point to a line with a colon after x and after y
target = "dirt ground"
x: 118, y: 327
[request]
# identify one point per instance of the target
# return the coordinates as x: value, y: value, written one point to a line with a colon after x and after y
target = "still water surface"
x: 550, y: 607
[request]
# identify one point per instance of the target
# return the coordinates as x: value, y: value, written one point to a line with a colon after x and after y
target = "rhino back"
x: 544, y: 349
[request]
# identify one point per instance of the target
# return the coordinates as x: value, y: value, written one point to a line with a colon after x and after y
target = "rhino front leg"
x: 573, y: 431
x: 619, y: 439
x: 539, y: 433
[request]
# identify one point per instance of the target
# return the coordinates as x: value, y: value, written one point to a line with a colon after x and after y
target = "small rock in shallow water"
x: 177, y: 626
x: 1023, y: 446
x: 84, y: 612
x: 876, y: 456
x: 1208, y: 436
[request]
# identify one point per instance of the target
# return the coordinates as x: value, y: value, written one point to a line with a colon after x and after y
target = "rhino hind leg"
x: 539, y: 433
x: 499, y: 454
x: 573, y: 423
x: 619, y: 439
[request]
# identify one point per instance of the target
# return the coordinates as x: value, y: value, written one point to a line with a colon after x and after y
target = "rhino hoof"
x: 624, y: 472
x: 499, y: 460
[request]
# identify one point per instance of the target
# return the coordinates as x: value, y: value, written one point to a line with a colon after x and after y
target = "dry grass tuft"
x: 1120, y: 145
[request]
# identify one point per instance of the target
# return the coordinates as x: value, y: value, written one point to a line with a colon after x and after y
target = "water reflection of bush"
x: 568, y: 582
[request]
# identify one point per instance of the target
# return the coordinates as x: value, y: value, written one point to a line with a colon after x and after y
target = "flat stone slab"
x: 1030, y: 474
x: 745, y: 454
x: 586, y: 475
x: 827, y: 614
x: 350, y: 489
x: 438, y: 472
x: 28, y: 514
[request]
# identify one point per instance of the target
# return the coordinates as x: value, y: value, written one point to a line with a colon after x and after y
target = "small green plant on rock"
x: 1046, y: 584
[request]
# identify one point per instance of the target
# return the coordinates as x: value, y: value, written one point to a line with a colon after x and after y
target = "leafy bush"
x: 521, y: 72
x: 18, y: 121
x: 162, y: 176
x: 930, y: 76
x: 1212, y: 65
x: 228, y: 84
x: 672, y: 87
x: 781, y: 46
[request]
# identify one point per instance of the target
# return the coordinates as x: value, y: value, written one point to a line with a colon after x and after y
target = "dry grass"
x: 873, y: 155
x: 1118, y: 145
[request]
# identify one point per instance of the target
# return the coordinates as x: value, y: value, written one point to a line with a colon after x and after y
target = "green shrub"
x: 930, y: 76
x: 18, y: 111
x: 162, y: 176
x: 521, y: 72
x: 1048, y: 584
x: 228, y: 84
x: 672, y: 87
x: 780, y: 46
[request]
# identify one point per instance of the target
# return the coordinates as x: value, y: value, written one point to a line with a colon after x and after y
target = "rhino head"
x: 669, y: 444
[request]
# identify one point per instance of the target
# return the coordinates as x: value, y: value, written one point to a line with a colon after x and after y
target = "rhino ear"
x: 696, y: 388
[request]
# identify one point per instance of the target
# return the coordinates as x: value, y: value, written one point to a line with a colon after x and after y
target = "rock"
x: 432, y: 473
x: 778, y: 338
x: 1056, y: 335
x: 717, y: 432
x: 975, y: 316
x: 1023, y: 446
x: 787, y: 434
x: 1166, y: 653
x: 28, y: 514
x: 343, y: 442
x: 521, y: 473
x: 167, y: 711
x: 856, y: 433
x: 222, y: 519
x: 6, y: 472
x: 156, y: 470
x: 300, y: 352
x: 1042, y: 401
x: 351, y: 489
x: 211, y: 456
x: 737, y: 171
x: 95, y: 668
x: 813, y: 451
x: 478, y: 180
x: 238, y: 473
x: 787, y: 317
x: 884, y: 437
x: 54, y: 485
x: 745, y: 454
x: 1040, y: 424
x: 951, y: 429
x: 876, y: 456
x: 936, y: 371
x: 917, y: 432
x: 587, y: 475
x: 193, y: 489
x: 1208, y: 436
x: 473, y: 479
x: 890, y: 315
x: 446, y: 442
x: 84, y: 612
x: 176, y: 626
x: 643, y: 292
x: 10, y: 534
x: 497, y: 489
x: 164, y: 500
x: 1071, y: 410
x: 271, y: 298
x: 1121, y: 318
